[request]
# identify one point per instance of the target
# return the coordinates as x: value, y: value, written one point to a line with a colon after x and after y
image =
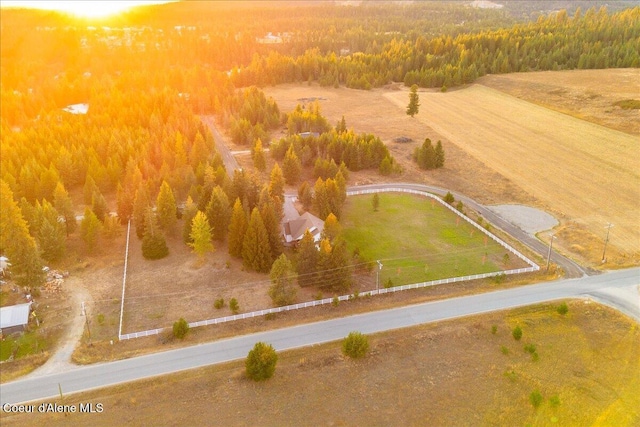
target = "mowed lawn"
x: 417, y: 239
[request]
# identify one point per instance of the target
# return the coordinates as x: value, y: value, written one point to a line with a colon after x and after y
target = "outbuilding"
x: 14, y: 318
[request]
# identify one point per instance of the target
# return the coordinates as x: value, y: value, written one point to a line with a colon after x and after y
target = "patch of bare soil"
x: 585, y: 366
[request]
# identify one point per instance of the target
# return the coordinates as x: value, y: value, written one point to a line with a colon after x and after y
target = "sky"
x: 95, y: 8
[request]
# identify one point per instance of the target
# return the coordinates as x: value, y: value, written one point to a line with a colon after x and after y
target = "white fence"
x: 532, y: 267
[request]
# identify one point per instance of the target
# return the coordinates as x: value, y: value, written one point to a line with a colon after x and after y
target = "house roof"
x: 14, y: 315
x: 294, y: 230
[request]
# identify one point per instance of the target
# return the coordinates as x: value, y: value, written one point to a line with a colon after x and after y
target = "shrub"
x: 261, y: 362
x: 517, y: 333
x: 494, y: 329
x: 554, y: 400
x: 317, y: 296
x: 563, y: 309
x: 530, y: 348
x: 511, y: 375
x: 219, y: 303
x: 355, y: 345
x: 233, y: 305
x: 100, y: 319
x: 504, y: 350
x: 535, y: 398
x: 335, y: 301
x: 497, y: 279
x: 389, y: 283
x: 449, y: 197
x: 180, y: 328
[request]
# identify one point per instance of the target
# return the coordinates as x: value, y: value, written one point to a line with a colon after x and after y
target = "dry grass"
x: 591, y: 95
x: 450, y: 373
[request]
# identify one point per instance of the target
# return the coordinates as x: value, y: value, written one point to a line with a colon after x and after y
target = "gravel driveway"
x: 528, y: 219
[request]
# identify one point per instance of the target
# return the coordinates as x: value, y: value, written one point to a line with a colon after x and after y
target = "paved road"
x: 112, y: 373
x: 571, y: 268
x: 230, y: 162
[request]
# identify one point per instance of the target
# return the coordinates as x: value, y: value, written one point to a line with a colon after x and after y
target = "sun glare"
x: 86, y: 9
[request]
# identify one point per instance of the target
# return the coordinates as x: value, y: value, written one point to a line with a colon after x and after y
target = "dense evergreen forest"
x: 146, y: 76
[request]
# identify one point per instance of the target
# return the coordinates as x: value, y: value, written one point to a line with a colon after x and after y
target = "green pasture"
x: 417, y: 239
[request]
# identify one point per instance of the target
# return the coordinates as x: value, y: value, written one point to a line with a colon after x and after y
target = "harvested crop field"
x: 577, y: 169
x: 584, y: 365
x: 592, y: 95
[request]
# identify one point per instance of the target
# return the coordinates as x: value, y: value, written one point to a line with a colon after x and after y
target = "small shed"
x: 14, y: 318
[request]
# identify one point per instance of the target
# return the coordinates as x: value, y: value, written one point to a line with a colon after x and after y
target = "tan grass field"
x: 587, y: 94
x: 450, y: 373
x: 576, y: 169
x: 502, y: 149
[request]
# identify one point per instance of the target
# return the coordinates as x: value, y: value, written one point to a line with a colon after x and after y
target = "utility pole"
x: 86, y: 321
x: 378, y: 275
x: 608, y: 227
x: 550, y: 246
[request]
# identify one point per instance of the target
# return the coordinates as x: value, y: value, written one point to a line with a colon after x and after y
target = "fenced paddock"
x: 532, y: 267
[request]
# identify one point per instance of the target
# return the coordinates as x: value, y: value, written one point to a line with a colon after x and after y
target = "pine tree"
x: 259, y: 159
x: 111, y: 227
x: 124, y: 203
x: 307, y: 260
x: 283, y: 277
x: 272, y: 225
x: 219, y: 213
x: 190, y: 211
x: 439, y: 155
x: 99, y: 205
x: 332, y: 228
x: 334, y: 198
x: 141, y: 203
x: 425, y: 156
x: 291, y: 167
x: 30, y: 215
x: 414, y: 101
x: 90, y: 187
x: 16, y: 242
x: 237, y: 229
x: 276, y: 182
x: 341, y: 126
x: 166, y: 208
x: 305, y: 195
x: 325, y: 271
x: 341, y: 265
x: 321, y: 199
x: 90, y: 229
x: 64, y: 206
x: 375, y: 202
x: 256, y: 253
x: 154, y: 245
x: 51, y: 235
x: 201, y: 235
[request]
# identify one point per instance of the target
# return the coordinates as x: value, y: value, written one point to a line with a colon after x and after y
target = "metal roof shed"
x: 14, y: 317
